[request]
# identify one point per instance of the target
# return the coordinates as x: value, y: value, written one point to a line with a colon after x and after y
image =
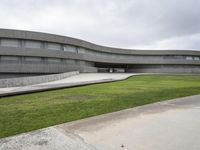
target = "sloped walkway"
x: 77, y: 80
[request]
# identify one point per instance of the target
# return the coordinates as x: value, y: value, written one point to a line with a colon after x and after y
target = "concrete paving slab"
x: 45, y: 139
x: 168, y: 125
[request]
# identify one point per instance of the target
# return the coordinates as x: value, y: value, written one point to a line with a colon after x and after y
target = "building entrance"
x: 104, y: 67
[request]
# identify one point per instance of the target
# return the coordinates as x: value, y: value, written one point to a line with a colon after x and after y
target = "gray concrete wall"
x: 33, y: 52
x: 130, y: 59
x: 43, y: 68
x: 24, y: 81
x: 16, y: 75
x: 38, y: 36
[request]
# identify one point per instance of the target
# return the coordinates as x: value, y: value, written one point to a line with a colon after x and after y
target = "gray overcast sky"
x: 144, y: 24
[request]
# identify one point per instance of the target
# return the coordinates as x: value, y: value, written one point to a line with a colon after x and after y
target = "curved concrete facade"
x: 34, y: 52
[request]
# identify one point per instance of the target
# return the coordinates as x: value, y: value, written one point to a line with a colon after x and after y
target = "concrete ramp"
x: 25, y: 81
x: 73, y: 79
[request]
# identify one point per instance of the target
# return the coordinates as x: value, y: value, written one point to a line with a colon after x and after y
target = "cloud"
x: 128, y: 24
x: 189, y: 42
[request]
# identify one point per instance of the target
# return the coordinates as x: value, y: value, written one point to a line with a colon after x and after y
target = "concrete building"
x: 25, y: 52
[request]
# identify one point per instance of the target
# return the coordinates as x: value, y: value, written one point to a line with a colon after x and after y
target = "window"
x: 33, y: 59
x: 81, y: 50
x: 54, y: 60
x: 189, y: 58
x: 69, y: 48
x: 9, y: 58
x: 10, y: 43
x: 71, y: 61
x: 54, y: 46
x: 33, y: 44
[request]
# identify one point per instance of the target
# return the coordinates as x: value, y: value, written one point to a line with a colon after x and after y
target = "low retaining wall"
x: 24, y: 81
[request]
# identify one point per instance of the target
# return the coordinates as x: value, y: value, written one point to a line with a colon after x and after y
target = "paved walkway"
x: 168, y: 125
x: 77, y: 80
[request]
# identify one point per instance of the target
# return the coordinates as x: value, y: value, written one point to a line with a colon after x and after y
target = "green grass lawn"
x: 28, y: 112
